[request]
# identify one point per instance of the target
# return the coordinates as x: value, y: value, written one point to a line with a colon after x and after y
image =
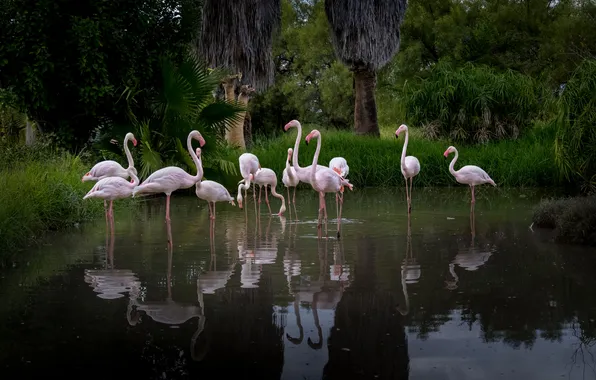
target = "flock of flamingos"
x: 112, y: 178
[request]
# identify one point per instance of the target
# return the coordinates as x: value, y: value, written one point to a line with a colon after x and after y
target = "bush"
x: 574, y: 219
x: 41, y: 191
x: 575, y: 145
x: 471, y: 103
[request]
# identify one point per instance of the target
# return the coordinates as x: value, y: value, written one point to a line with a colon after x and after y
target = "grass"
x: 41, y: 191
x: 525, y: 162
x: 574, y: 219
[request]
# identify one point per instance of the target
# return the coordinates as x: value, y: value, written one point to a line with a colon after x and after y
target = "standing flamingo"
x: 339, y: 165
x: 112, y: 188
x: 211, y: 191
x: 470, y: 175
x: 302, y: 173
x: 110, y: 168
x: 249, y: 164
x: 410, y: 166
x: 326, y: 181
x: 172, y: 178
x: 289, y: 177
x: 265, y: 177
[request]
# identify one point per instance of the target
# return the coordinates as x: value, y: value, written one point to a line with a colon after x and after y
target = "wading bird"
x: 302, y: 173
x: 410, y: 166
x: 340, y: 165
x: 249, y: 164
x: 470, y: 175
x: 112, y: 188
x: 326, y: 181
x: 266, y: 177
x: 172, y: 178
x: 211, y: 191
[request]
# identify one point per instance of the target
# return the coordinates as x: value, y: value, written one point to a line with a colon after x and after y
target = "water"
x: 458, y: 299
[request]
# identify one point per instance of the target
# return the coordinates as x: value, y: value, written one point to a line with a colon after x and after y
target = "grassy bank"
x: 41, y: 191
x: 528, y: 161
x: 574, y: 219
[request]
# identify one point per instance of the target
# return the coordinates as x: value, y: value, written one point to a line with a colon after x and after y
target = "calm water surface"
x: 452, y: 296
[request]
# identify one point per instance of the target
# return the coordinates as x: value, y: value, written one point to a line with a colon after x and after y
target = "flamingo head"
x: 290, y: 151
x: 251, y: 177
x: 239, y: 198
x: 130, y: 136
x: 449, y: 150
x: 293, y: 123
x: 198, y: 136
x: 198, y: 151
x: 86, y: 177
x: 399, y: 130
x: 313, y: 133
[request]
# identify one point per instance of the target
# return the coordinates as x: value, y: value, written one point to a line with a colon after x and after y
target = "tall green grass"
x: 527, y: 161
x: 41, y: 190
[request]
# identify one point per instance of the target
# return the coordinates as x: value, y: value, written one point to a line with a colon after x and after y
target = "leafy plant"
x: 471, y: 103
x: 575, y: 145
x: 184, y: 101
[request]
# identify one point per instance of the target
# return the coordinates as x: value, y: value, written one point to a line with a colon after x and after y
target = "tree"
x: 68, y: 61
x: 365, y: 36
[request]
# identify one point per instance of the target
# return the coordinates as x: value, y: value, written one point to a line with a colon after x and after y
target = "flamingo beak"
x: 201, y: 141
x: 446, y: 153
x: 286, y: 127
x: 134, y: 142
x: 396, y: 134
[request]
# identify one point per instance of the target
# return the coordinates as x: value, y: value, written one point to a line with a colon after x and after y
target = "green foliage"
x: 41, y: 191
x: 373, y: 162
x: 573, y: 218
x: 576, y: 122
x: 68, y: 61
x: 184, y: 102
x: 471, y: 103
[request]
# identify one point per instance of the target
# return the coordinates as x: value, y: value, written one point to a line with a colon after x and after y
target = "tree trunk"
x: 248, y: 130
x: 30, y: 135
x: 365, y: 105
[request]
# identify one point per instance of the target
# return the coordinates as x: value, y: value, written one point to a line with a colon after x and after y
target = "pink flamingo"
x: 172, y: 178
x: 326, y: 181
x: 302, y: 173
x: 110, y: 168
x: 339, y: 165
x: 470, y: 175
x: 211, y: 191
x: 112, y: 188
x: 249, y: 164
x: 410, y: 166
x: 267, y: 177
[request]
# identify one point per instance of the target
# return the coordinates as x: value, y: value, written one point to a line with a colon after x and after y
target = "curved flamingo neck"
x: 452, y: 164
x: 403, y: 151
x: 199, y: 171
x: 195, y: 159
x: 131, y: 163
x: 315, y: 160
x: 135, y: 179
x: 296, y: 146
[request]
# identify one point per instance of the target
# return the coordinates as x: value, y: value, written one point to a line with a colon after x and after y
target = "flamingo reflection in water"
x: 170, y: 312
x: 262, y: 251
x: 214, y: 279
x: 410, y: 268
x: 470, y: 258
x: 322, y: 294
x: 110, y: 283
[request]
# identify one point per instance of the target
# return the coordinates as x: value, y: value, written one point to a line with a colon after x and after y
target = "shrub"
x: 574, y: 219
x: 471, y: 103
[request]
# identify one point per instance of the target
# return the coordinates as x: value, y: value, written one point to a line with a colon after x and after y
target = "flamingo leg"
x: 267, y: 200
x: 213, y: 210
x: 289, y: 201
x: 209, y: 204
x: 260, y: 194
x: 473, y: 196
x: 294, y: 200
x: 407, y: 195
x: 319, y: 224
x: 410, y: 195
x: 112, y: 209
x: 325, y: 212
x: 168, y: 207
x: 337, y: 211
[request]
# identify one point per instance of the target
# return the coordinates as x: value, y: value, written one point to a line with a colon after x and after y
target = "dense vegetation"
x: 512, y: 83
x: 573, y: 219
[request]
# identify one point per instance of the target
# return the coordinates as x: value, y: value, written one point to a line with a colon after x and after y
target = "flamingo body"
x: 410, y: 166
x: 249, y: 164
x: 340, y: 165
x: 289, y: 177
x: 112, y: 188
x: 110, y: 168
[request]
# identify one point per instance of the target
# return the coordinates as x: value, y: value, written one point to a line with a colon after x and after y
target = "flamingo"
x: 302, y: 173
x: 249, y: 164
x: 110, y: 168
x: 470, y: 175
x: 112, y: 188
x: 326, y: 181
x: 172, y: 178
x: 289, y: 177
x: 340, y: 165
x: 264, y: 177
x: 211, y: 191
x: 410, y: 166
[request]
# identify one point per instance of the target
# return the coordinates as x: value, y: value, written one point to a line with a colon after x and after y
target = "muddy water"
x: 449, y: 295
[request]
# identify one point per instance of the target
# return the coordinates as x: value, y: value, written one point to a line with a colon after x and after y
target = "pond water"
x: 450, y: 297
